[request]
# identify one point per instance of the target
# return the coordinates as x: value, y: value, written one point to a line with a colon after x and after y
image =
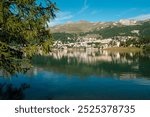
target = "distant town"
x: 102, y: 35
x: 93, y: 42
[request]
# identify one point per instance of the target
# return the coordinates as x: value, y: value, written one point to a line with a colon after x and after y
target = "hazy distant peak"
x: 127, y: 22
x: 141, y: 17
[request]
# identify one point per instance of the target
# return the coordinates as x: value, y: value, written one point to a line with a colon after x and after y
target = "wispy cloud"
x: 61, y: 18
x: 141, y: 17
x: 96, y: 12
x: 85, y: 7
x: 126, y: 12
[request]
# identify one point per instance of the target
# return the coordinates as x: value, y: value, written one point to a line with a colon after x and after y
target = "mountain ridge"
x: 86, y: 26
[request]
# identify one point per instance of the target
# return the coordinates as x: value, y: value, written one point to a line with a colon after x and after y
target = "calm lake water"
x: 82, y: 75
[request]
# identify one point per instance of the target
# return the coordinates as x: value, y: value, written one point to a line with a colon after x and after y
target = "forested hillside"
x: 110, y: 31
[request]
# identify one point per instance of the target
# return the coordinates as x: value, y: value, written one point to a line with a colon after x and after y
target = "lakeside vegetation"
x: 124, y: 49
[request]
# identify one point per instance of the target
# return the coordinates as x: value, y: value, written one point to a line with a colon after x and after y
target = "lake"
x: 82, y: 75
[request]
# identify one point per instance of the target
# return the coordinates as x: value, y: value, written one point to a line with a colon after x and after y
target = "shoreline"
x: 113, y: 49
x: 124, y: 49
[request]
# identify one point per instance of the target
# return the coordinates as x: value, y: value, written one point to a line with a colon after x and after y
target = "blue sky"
x: 100, y: 10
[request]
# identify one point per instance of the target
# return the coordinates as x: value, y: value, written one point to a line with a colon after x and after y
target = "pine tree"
x: 23, y: 29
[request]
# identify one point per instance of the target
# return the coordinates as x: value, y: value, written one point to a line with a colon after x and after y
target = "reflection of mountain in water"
x: 92, y: 56
x: 58, y: 76
x: 100, y: 63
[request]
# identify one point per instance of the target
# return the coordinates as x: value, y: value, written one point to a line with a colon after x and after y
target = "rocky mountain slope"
x: 85, y: 26
x: 81, y: 26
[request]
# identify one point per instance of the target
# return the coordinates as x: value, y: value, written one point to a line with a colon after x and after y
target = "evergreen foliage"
x: 23, y: 29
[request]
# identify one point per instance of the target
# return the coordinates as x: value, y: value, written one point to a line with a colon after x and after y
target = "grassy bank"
x: 124, y: 49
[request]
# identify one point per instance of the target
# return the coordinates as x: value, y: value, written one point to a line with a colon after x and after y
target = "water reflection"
x: 93, y: 56
x: 96, y: 62
x: 82, y: 74
x: 9, y: 92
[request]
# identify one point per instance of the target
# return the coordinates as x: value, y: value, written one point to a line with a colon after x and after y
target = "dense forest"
x: 65, y: 37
